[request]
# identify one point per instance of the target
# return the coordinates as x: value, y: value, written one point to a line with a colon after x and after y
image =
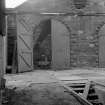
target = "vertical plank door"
x: 60, y: 46
x: 102, y: 47
x: 25, y: 49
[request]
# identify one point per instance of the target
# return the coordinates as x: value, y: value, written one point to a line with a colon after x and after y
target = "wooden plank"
x: 86, y: 90
x: 97, y: 83
x: 80, y: 98
x: 24, y: 45
x: 2, y: 30
x: 75, y: 89
x: 60, y: 46
x: 54, y: 13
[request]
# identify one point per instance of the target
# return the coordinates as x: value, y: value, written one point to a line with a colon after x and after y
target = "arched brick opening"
x: 46, y: 34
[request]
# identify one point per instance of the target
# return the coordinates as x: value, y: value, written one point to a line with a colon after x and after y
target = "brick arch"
x: 101, y: 45
x: 42, y: 34
x: 98, y: 28
x: 52, y: 18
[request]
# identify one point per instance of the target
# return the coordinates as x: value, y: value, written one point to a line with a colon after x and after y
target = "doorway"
x: 51, y: 45
x: 42, y: 51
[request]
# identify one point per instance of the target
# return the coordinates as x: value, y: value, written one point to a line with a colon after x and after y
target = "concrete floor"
x: 42, y: 76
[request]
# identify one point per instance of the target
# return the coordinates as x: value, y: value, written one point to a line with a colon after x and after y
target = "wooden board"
x: 102, y: 47
x: 25, y: 48
x: 60, y: 46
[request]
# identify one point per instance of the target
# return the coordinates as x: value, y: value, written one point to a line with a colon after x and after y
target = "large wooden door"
x: 60, y: 46
x: 102, y: 47
x: 25, y: 49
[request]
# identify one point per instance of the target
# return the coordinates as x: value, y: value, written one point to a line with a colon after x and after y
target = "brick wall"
x: 84, y: 40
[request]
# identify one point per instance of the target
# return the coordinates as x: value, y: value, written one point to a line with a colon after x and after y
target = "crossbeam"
x: 56, y: 13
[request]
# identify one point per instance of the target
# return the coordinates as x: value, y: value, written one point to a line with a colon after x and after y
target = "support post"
x: 2, y: 33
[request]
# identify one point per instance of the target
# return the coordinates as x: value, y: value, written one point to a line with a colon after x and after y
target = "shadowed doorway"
x: 42, y: 56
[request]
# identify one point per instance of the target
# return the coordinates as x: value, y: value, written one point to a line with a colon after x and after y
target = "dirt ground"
x: 41, y: 94
x: 41, y: 88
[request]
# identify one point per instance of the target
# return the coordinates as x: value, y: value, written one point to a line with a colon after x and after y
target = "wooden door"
x: 102, y: 47
x: 25, y: 49
x: 60, y: 46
